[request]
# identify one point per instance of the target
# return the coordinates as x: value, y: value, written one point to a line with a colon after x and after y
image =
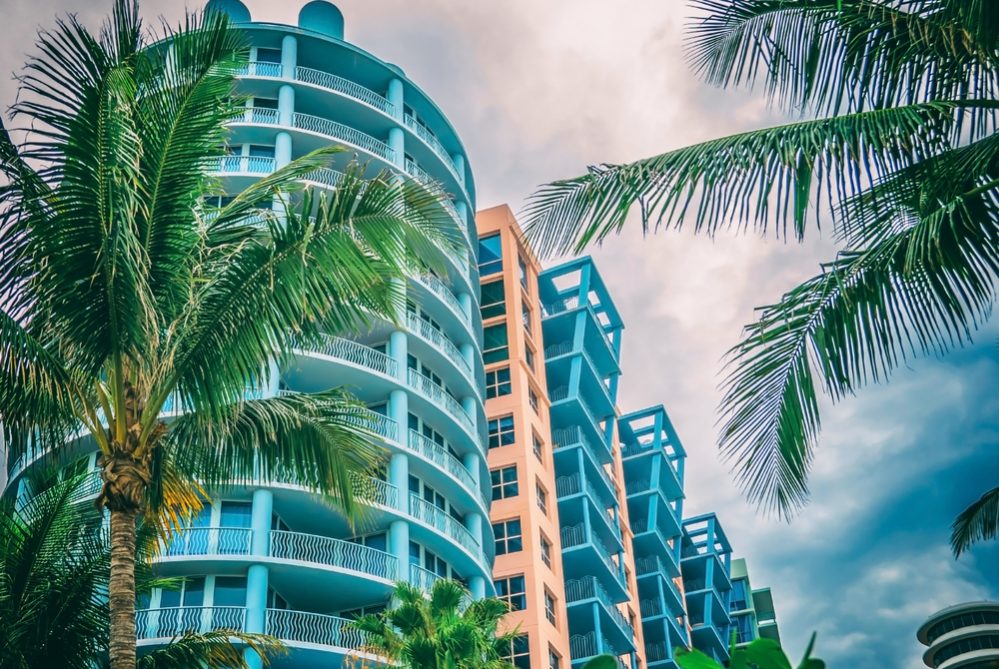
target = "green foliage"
x: 979, y: 522
x: 758, y: 654
x: 900, y: 147
x: 441, y: 629
x: 53, y: 581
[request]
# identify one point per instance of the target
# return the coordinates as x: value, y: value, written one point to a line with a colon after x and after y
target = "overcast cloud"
x: 540, y: 89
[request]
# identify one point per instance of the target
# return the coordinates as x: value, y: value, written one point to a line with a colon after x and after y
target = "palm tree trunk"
x: 122, y: 589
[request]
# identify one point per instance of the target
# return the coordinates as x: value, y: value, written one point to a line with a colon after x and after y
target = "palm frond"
x: 770, y: 177
x: 867, y: 313
x: 979, y: 522
x: 847, y: 55
x: 320, y: 441
x: 219, y: 649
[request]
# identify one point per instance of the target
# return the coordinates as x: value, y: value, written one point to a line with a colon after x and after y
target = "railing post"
x: 289, y: 56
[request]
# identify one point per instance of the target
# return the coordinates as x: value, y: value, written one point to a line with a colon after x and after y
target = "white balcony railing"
x: 422, y: 578
x: 210, y: 541
x: 170, y: 622
x: 445, y: 461
x: 260, y: 69
x: 355, y: 353
x: 260, y: 115
x: 329, y: 128
x: 440, y: 397
x: 332, y: 552
x: 439, y: 288
x: 441, y: 342
x: 344, y: 87
x: 313, y: 628
x: 423, y: 510
x: 244, y: 165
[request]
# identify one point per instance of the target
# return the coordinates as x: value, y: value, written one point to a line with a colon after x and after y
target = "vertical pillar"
x: 473, y: 463
x: 473, y: 523
x: 256, y: 609
x: 286, y: 105
x: 459, y: 166
x: 477, y: 586
x: 397, y: 142
x: 399, y: 352
x: 398, y: 475
x: 465, y: 300
x: 468, y: 353
x: 398, y: 546
x: 469, y: 405
x: 289, y: 56
x: 260, y: 521
x: 395, y: 97
x: 273, y: 378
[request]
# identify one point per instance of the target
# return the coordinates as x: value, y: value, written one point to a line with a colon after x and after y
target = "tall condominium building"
x: 528, y: 569
x: 706, y: 564
x: 752, y: 611
x: 653, y: 459
x: 270, y: 557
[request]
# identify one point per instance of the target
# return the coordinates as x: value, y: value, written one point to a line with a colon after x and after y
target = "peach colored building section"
x: 536, y: 504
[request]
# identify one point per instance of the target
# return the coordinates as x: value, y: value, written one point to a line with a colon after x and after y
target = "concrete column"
x: 398, y: 475
x: 469, y: 405
x: 286, y: 105
x: 398, y: 545
x: 459, y: 166
x: 468, y: 353
x: 473, y: 463
x: 399, y: 352
x: 273, y: 378
x: 465, y: 300
x: 473, y: 523
x: 397, y: 142
x: 282, y: 149
x: 289, y: 56
x: 398, y: 410
x: 477, y: 586
x: 260, y: 521
x: 395, y: 96
x: 256, y: 608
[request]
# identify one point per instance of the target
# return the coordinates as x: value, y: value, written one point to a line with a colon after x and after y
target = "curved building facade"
x: 964, y: 636
x: 271, y: 558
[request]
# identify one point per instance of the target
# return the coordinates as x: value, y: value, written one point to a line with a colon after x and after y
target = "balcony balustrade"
x: 562, y: 393
x: 329, y: 128
x: 243, y: 165
x: 355, y: 353
x: 210, y: 541
x: 575, y: 484
x: 430, y: 139
x: 589, y: 587
x: 575, y: 535
x: 439, y: 456
x: 423, y: 579
x: 656, y: 564
x: 313, y: 628
x: 436, y: 394
x: 258, y: 68
x: 332, y: 552
x: 440, y: 289
x: 343, y: 86
x: 440, y: 341
x: 572, y: 435
x: 582, y: 646
x: 171, y: 622
x: 437, y: 518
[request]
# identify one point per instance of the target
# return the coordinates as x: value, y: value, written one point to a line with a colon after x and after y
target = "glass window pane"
x: 490, y: 255
x: 230, y: 591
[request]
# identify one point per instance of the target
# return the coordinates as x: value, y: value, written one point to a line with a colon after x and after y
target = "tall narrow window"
x: 550, y: 607
x: 542, y: 497
x: 523, y: 271
x: 493, y: 300
x: 525, y: 315
x: 495, y: 345
x: 520, y: 652
x: 546, y: 551
x: 490, y: 255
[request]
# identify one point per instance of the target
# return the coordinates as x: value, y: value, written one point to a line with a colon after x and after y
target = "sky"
x: 538, y: 90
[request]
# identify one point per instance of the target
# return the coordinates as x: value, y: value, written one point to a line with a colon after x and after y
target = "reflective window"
x: 504, y: 482
x: 512, y: 591
x: 495, y: 346
x: 490, y: 255
x: 492, y: 303
x: 498, y: 382
x: 508, y: 536
x: 501, y: 431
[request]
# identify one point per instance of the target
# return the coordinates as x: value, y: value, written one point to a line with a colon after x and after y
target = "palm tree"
x: 124, y: 293
x: 53, y: 575
x: 439, y: 630
x: 898, y: 142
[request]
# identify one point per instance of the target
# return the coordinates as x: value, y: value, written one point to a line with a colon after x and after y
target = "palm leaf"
x: 979, y: 522
x: 220, y: 649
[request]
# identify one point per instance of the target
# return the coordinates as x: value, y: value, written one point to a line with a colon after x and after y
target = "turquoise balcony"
x: 706, y: 562
x: 590, y: 608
